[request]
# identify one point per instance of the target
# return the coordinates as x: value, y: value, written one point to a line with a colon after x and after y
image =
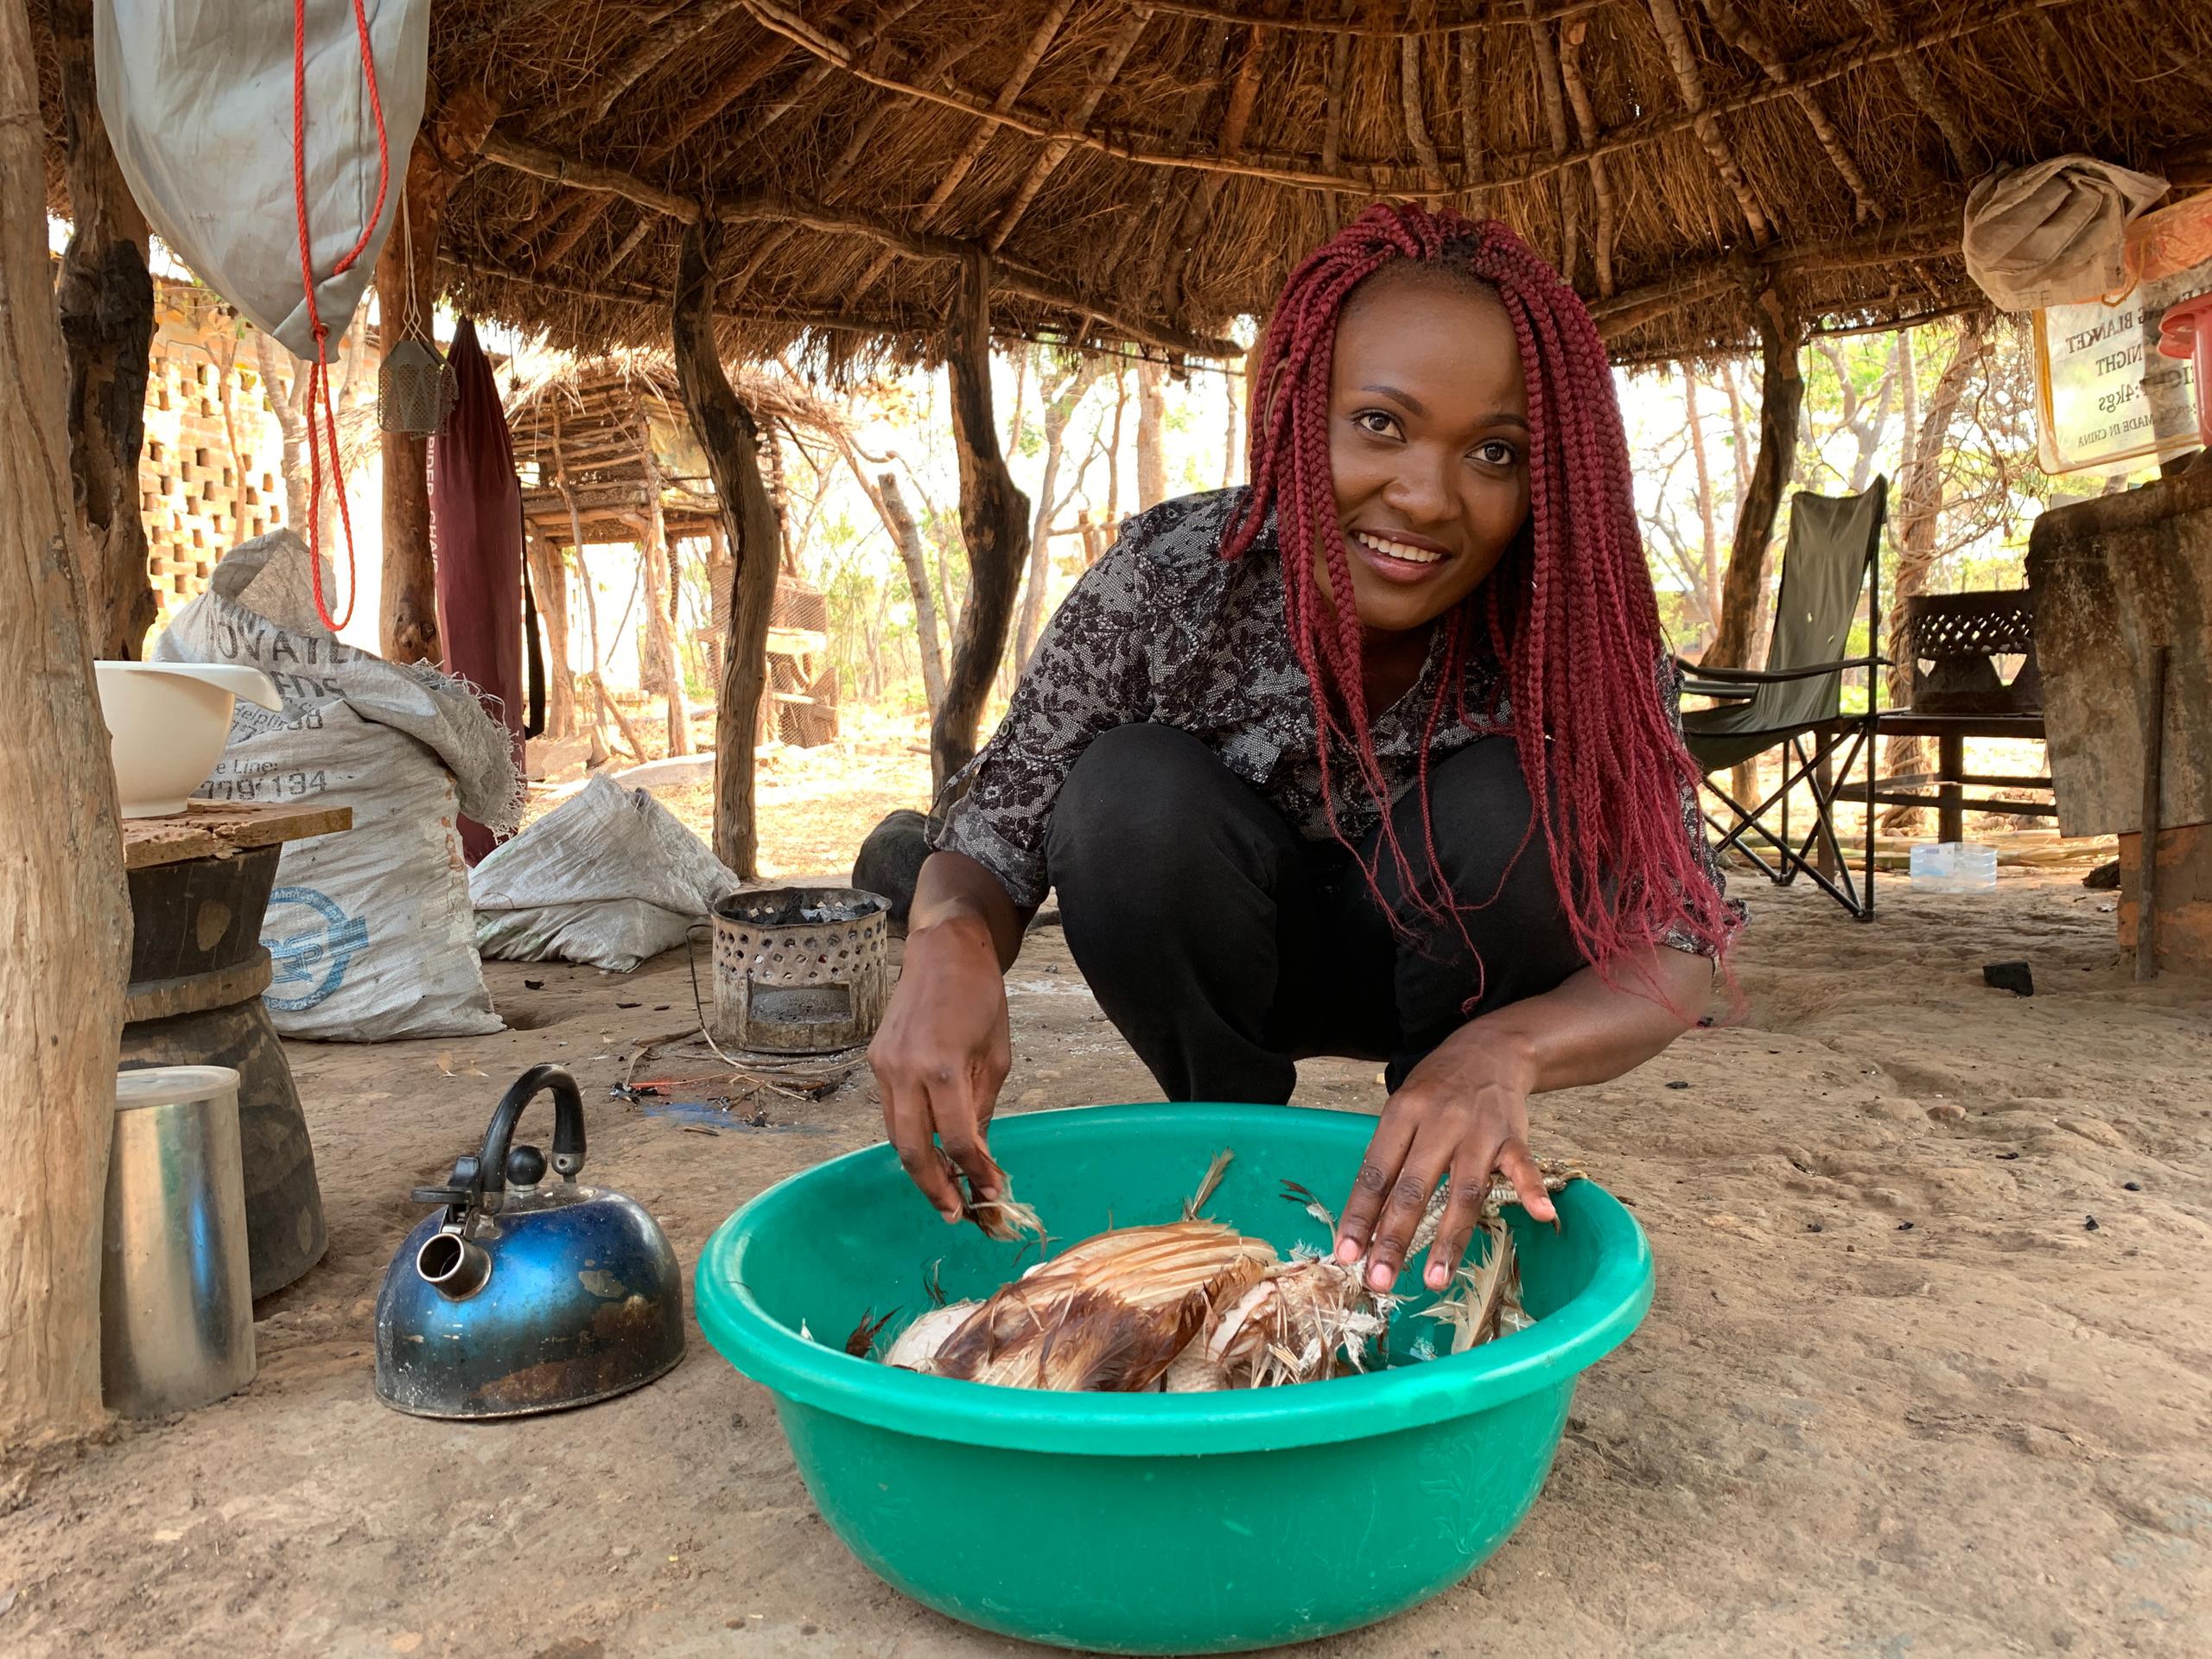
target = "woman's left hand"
x: 1462, y: 1112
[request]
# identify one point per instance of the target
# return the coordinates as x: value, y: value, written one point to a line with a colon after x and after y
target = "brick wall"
x: 201, y: 493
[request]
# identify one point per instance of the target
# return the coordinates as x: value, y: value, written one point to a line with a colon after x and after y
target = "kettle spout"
x: 455, y: 1267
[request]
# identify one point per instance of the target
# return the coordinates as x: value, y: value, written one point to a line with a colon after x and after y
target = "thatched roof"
x: 1146, y: 170
x: 581, y: 431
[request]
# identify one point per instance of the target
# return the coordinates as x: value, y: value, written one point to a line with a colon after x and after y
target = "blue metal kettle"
x: 524, y: 1294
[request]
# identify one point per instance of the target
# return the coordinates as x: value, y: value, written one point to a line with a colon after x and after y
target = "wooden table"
x: 1951, y: 776
x: 223, y: 829
x: 199, y: 882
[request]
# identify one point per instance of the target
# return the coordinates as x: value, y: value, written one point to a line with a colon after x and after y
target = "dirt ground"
x: 1926, y: 1374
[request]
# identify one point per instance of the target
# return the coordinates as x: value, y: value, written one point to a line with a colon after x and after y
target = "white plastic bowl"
x: 167, y: 724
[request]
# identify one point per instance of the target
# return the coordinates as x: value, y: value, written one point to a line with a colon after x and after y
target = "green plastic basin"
x: 1153, y: 1523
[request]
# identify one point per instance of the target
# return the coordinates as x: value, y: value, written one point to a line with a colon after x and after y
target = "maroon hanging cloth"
x: 476, y: 516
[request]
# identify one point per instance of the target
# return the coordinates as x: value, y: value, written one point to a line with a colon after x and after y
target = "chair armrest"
x: 1692, y: 687
x: 1778, y: 676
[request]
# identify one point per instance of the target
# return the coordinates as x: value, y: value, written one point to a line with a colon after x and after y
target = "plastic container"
x: 167, y: 723
x: 2185, y: 332
x: 1153, y: 1523
x: 1954, y: 866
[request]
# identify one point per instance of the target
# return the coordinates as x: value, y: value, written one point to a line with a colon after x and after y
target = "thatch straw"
x: 1148, y: 172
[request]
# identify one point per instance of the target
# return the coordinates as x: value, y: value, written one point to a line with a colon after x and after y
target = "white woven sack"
x: 370, y: 930
x: 608, y: 877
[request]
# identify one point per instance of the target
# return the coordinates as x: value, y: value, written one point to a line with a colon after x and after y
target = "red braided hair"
x: 1569, y: 611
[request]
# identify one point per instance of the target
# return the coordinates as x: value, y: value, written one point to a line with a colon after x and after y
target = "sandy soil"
x: 1898, y: 1394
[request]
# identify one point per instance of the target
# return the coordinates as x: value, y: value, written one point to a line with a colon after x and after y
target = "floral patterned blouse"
x: 1164, y: 630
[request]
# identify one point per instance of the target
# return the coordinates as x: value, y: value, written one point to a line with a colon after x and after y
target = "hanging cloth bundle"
x: 476, y: 505
x: 288, y: 233
x: 2054, y: 232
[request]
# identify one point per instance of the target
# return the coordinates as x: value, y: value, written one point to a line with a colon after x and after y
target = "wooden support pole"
x: 61, y: 884
x: 732, y: 439
x: 994, y: 522
x: 665, y: 662
x: 787, y: 212
x: 2154, y: 761
x: 105, y: 296
x: 407, y: 291
x: 407, y: 296
x: 1781, y: 394
x: 548, y: 584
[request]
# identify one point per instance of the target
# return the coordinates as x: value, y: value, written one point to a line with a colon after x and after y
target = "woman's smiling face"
x: 1428, y: 443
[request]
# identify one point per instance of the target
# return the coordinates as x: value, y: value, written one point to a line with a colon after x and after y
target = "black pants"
x: 1225, y: 947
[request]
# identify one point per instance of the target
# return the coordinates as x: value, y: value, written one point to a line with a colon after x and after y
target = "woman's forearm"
x: 955, y: 892
x: 1586, y: 1031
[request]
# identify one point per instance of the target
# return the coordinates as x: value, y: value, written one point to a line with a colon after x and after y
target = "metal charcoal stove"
x: 800, y: 970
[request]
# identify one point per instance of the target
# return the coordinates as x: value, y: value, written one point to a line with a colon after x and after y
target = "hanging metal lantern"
x: 415, y: 389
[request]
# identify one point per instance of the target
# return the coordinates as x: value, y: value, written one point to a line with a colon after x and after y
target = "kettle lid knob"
x: 525, y: 1167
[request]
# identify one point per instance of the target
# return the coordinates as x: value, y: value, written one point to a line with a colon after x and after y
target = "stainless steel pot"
x: 176, y: 1297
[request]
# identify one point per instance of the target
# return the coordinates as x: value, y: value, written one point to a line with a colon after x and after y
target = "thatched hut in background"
x: 606, y: 454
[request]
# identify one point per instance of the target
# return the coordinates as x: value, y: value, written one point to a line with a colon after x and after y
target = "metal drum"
x: 176, y: 1303
x: 800, y: 970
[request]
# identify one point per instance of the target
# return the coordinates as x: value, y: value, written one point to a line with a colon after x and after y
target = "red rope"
x: 322, y: 422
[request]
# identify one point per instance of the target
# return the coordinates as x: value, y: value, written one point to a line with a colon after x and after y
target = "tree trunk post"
x: 667, y: 664
x: 1781, y: 394
x: 61, y: 884
x: 1915, y: 523
x: 407, y: 297
x: 549, y: 581
x: 993, y: 523
x: 106, y: 301
x: 906, y: 535
x: 728, y: 432
x: 1152, y: 434
x: 406, y: 292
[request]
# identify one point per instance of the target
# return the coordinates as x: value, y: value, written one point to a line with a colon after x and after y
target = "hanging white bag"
x: 198, y: 103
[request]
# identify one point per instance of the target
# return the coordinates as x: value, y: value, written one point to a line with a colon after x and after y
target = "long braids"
x: 1569, y: 612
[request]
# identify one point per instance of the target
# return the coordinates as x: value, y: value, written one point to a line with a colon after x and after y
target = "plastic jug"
x: 1954, y: 866
x: 2185, y: 332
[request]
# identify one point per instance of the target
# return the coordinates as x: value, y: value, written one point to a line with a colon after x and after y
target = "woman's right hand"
x: 941, y: 1055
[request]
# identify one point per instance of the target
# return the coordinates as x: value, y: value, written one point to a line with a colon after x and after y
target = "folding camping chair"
x: 1795, y: 703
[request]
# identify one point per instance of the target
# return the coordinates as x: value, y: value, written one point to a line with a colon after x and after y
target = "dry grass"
x: 1843, y: 186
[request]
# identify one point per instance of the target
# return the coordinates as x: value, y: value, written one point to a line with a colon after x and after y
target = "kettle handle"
x: 568, y: 1125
